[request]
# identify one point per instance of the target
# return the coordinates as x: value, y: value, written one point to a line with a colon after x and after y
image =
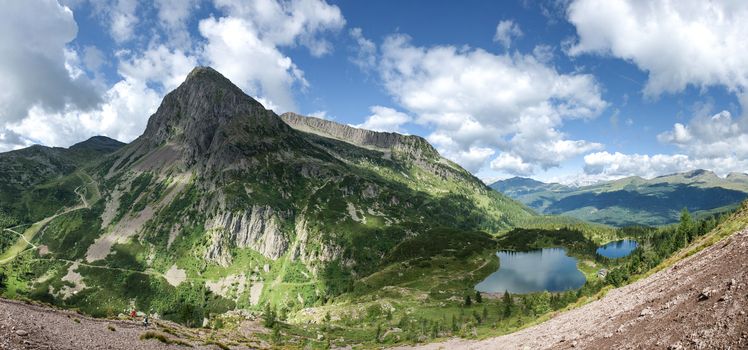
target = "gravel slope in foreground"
x: 26, y: 326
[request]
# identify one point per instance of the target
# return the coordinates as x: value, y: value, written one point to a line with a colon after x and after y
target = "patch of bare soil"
x: 167, y: 154
x: 126, y: 228
x: 175, y: 276
x: 27, y: 326
x: 76, y: 279
x: 230, y: 287
x: 699, y: 303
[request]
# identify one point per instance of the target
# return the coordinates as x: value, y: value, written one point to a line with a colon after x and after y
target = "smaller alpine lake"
x: 618, y: 249
x: 534, y: 271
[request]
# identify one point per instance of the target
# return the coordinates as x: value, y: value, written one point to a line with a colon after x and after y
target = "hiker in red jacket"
x: 133, y: 314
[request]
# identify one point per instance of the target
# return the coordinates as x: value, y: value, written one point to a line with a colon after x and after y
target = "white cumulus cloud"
x: 511, y: 164
x: 244, y: 44
x: 385, y: 119
x: 289, y: 23
x: 122, y: 116
x: 710, y: 136
x: 478, y: 100
x: 366, y: 51
x: 35, y: 64
x: 37, y: 68
x: 606, y: 166
x: 258, y: 67
x: 678, y: 42
x: 173, y: 15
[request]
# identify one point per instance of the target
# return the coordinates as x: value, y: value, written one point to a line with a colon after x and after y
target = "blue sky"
x: 574, y: 91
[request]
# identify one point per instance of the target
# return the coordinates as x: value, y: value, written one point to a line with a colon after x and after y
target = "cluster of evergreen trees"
x: 6, y: 238
x: 657, y: 244
x: 3, y: 281
x: 271, y: 321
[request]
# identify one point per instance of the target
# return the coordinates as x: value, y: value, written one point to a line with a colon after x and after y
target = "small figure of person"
x: 145, y: 321
x: 133, y: 313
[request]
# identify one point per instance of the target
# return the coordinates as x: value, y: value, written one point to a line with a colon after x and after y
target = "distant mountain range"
x: 632, y: 200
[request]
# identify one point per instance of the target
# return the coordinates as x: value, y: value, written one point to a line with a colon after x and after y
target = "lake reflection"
x: 617, y: 249
x: 524, y: 272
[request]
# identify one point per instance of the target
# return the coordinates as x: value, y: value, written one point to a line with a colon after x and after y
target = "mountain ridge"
x: 632, y: 200
x: 24, y: 170
x: 360, y: 137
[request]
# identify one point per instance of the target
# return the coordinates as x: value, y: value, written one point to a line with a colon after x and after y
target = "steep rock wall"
x: 257, y: 228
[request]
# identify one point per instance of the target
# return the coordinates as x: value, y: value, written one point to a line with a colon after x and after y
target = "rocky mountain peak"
x: 202, y: 103
x: 201, y: 114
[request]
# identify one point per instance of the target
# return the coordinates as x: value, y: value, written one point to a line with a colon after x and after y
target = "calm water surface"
x: 534, y: 271
x: 618, y: 249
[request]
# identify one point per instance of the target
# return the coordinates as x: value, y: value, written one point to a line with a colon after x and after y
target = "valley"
x: 223, y: 216
x: 360, y: 175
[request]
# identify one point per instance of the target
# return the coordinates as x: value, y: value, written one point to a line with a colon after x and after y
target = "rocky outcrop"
x: 414, y: 146
x: 257, y: 228
x: 324, y: 252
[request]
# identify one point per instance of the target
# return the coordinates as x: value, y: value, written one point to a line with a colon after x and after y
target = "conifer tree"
x: 507, y: 304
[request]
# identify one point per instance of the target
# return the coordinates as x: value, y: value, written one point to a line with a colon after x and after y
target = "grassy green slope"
x: 39, y: 180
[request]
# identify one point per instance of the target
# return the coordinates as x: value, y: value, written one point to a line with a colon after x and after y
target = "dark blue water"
x: 618, y: 249
x: 524, y: 272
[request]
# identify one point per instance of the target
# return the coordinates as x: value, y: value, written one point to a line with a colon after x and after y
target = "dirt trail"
x: 699, y: 303
x: 25, y: 239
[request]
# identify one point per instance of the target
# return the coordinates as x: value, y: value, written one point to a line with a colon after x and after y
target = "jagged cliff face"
x: 208, y: 123
x: 256, y: 228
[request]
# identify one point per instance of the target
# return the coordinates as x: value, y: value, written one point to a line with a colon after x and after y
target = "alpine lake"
x: 547, y: 269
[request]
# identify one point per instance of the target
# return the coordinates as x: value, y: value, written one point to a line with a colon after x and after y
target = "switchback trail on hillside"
x: 698, y: 303
x: 25, y: 238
